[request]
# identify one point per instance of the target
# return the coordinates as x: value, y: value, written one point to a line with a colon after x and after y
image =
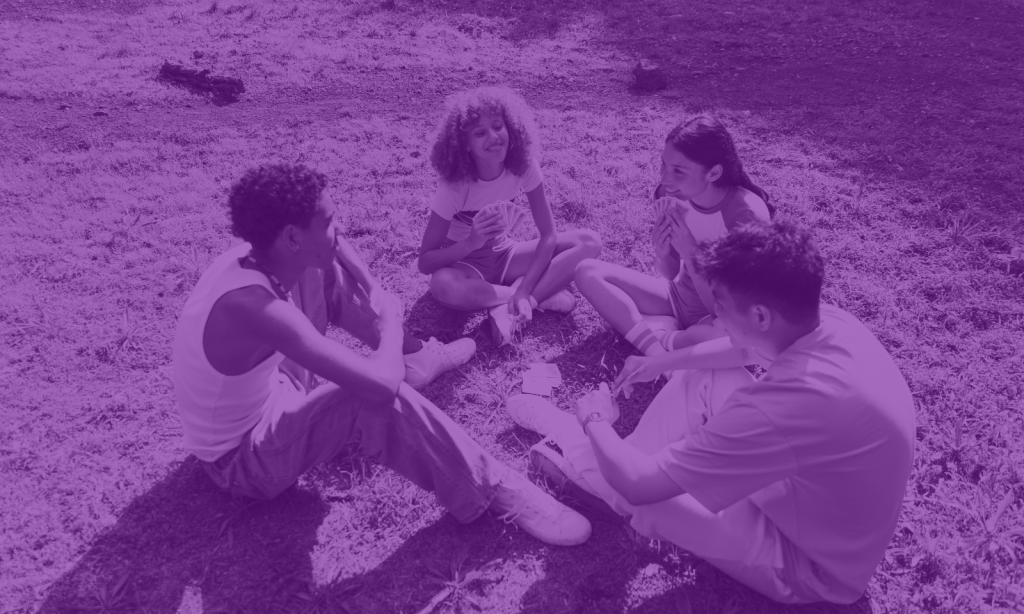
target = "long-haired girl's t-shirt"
x: 740, y: 206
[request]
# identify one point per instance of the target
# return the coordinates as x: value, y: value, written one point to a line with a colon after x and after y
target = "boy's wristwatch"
x: 591, y: 417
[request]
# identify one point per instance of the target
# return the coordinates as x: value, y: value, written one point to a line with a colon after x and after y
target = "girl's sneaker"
x: 562, y: 301
x: 502, y: 324
x: 435, y: 358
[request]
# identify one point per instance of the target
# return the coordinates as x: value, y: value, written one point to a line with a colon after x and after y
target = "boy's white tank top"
x: 217, y: 410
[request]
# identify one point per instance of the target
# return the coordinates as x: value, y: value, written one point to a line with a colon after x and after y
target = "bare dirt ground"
x: 894, y: 129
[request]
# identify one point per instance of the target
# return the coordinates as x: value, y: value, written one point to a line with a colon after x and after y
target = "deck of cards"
x: 511, y: 214
x: 663, y: 204
x: 541, y: 378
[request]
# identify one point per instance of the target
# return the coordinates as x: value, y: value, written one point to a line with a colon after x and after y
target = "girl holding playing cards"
x: 704, y: 194
x: 486, y: 154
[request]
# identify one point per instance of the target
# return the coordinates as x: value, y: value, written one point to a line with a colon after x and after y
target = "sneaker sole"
x: 573, y: 495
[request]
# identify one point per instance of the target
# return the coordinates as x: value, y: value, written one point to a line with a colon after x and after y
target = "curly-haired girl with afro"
x: 486, y: 154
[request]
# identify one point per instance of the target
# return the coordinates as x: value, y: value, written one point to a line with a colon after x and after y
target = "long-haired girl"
x: 704, y: 193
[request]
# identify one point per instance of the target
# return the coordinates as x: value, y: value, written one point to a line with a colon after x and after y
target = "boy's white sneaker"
x: 537, y: 414
x: 562, y: 301
x: 563, y: 478
x: 435, y: 358
x: 520, y: 502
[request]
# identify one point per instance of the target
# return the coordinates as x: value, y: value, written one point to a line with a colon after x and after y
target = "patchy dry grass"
x: 890, y: 128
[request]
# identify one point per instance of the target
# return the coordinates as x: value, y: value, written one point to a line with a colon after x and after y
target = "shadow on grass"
x: 185, y: 546
x: 921, y: 90
x: 184, y: 532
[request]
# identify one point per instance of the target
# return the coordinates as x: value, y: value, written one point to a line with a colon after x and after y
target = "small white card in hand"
x: 511, y: 215
x: 663, y: 204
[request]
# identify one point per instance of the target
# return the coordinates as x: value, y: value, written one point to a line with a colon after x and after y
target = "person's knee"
x: 590, y: 242
x: 589, y: 269
x: 444, y: 288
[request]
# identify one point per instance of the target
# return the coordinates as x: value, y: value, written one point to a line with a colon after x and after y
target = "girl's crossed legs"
x: 463, y: 288
x: 624, y: 297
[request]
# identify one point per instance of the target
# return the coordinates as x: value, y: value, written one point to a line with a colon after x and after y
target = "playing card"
x: 532, y: 385
x: 663, y: 204
x: 547, y: 372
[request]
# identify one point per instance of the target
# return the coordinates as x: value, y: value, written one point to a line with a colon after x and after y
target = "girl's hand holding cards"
x: 487, y: 224
x: 661, y: 237
x: 683, y: 240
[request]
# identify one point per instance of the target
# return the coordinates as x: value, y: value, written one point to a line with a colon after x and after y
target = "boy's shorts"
x: 490, y: 262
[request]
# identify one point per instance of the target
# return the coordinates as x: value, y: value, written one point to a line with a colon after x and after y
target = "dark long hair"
x: 705, y: 140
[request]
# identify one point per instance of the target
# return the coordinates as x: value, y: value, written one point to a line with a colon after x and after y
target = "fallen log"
x: 221, y: 90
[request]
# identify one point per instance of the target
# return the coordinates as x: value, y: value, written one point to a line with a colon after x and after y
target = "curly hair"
x: 775, y: 264
x: 450, y: 156
x: 270, y: 197
x: 704, y: 139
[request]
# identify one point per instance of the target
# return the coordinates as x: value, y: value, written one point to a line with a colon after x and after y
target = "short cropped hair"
x: 270, y: 197
x: 774, y: 264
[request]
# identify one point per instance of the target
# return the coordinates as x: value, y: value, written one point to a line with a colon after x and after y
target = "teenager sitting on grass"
x: 486, y: 152
x: 791, y: 484
x: 246, y: 346
x: 704, y: 193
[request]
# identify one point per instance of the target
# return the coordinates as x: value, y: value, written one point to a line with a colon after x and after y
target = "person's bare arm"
x: 633, y: 474
x: 545, y: 221
x: 349, y: 259
x: 283, y: 327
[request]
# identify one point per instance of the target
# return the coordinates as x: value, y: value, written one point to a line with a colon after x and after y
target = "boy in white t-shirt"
x: 792, y: 484
x: 486, y: 154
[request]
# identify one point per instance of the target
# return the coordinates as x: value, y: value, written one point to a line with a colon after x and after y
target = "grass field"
x: 895, y: 129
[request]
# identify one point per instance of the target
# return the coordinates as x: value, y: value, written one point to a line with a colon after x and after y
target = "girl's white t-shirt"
x: 460, y: 202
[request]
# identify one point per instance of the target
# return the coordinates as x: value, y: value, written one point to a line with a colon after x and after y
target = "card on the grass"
x: 534, y: 385
x: 547, y: 371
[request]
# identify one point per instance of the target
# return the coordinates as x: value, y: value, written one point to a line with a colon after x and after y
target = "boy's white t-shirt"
x: 460, y: 202
x: 823, y: 444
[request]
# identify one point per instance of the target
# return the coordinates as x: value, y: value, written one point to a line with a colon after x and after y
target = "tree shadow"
x: 183, y: 532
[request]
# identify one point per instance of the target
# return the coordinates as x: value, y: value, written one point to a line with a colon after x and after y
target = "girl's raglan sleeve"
x: 447, y: 200
x: 744, y: 208
x: 533, y: 177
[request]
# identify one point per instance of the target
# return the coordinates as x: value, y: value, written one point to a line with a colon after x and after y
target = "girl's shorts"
x: 490, y: 262
x: 687, y: 306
